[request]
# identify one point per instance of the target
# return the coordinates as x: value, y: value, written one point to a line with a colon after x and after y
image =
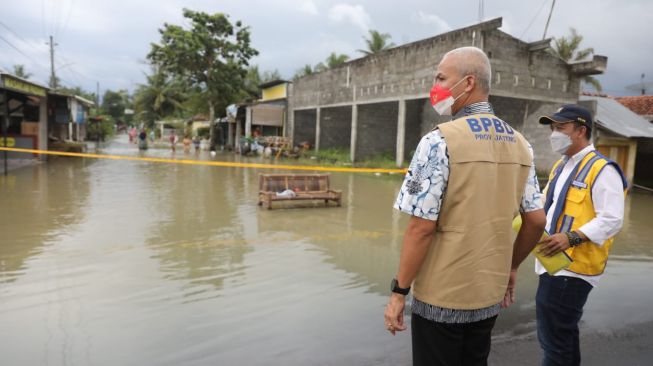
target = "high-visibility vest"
x: 577, y: 209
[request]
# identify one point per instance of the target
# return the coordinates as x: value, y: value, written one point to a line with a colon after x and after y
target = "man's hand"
x: 554, y: 244
x: 509, y: 297
x: 394, y: 313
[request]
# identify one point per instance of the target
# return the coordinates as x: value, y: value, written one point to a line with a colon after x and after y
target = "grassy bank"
x: 341, y: 158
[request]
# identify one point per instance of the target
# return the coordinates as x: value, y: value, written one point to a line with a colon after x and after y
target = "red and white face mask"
x: 442, y: 100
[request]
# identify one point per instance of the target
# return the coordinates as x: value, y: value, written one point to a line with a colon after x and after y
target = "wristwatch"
x: 574, y: 238
x: 394, y: 287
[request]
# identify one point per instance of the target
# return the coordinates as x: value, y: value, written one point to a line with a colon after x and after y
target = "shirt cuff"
x: 417, y: 213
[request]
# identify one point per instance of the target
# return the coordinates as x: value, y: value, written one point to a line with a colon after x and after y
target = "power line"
x: 546, y: 27
x: 70, y: 10
x: 22, y: 53
x: 20, y: 38
x: 43, y: 18
x: 533, y: 20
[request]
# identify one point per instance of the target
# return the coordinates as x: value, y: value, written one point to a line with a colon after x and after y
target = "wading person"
x: 173, y: 141
x: 466, y: 182
x: 584, y: 211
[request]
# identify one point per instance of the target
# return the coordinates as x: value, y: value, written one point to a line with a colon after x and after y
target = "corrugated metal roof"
x: 615, y: 117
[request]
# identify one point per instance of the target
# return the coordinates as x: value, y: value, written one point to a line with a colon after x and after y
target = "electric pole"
x: 549, y: 19
x: 53, y: 77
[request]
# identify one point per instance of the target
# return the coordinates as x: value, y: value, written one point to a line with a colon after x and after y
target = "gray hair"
x: 473, y: 61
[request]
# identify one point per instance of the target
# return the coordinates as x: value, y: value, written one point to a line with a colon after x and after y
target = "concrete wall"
x: 525, y: 84
x: 377, y: 129
x: 335, y: 127
x: 304, y: 126
x: 414, y: 122
x: 408, y: 71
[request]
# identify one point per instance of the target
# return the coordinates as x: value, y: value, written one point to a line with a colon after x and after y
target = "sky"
x: 106, y: 42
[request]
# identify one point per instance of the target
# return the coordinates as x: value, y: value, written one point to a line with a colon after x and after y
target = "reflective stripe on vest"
x: 577, y: 209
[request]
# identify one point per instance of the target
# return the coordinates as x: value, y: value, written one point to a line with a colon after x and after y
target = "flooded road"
x: 107, y: 262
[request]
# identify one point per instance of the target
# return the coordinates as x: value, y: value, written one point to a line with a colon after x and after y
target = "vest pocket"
x: 575, y: 198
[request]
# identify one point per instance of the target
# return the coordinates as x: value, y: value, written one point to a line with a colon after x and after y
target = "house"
x: 641, y: 104
x: 23, y: 114
x: 379, y: 104
x: 67, y: 117
x: 267, y: 116
x: 623, y: 136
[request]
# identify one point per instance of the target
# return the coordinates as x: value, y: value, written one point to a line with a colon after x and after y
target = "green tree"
x: 335, y: 60
x: 320, y: 67
x: 114, y: 104
x: 304, y: 71
x: 251, y: 83
x: 268, y: 76
x: 79, y: 92
x: 567, y: 48
x: 377, y: 42
x: 160, y: 97
x: 212, y: 55
x: 254, y: 78
x: 19, y: 70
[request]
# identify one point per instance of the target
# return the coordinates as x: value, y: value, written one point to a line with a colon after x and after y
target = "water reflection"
x: 175, y: 264
x: 203, y: 233
x: 39, y: 205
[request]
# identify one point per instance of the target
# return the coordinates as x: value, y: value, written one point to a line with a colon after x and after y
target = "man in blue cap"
x: 584, y: 204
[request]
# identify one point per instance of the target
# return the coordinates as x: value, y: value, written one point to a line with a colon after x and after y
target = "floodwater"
x: 110, y: 262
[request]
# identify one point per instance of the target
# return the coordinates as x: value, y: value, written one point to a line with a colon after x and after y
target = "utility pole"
x: 5, y: 125
x: 481, y: 10
x: 53, y: 77
x: 549, y: 19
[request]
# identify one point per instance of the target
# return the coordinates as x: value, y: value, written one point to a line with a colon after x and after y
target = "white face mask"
x: 560, y: 142
x: 442, y: 100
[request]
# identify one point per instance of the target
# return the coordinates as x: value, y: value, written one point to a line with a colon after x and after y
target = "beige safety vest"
x: 468, y: 263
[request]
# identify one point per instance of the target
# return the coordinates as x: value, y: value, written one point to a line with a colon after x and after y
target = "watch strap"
x: 394, y: 287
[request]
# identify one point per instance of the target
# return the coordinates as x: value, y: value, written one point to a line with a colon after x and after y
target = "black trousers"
x: 442, y: 344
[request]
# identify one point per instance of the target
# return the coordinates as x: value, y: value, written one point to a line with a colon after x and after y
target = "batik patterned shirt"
x: 421, y: 195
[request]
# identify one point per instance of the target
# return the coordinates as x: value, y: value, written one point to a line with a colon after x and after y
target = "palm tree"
x: 335, y: 60
x: 19, y: 70
x: 567, y: 49
x: 160, y: 97
x: 304, y: 71
x: 377, y: 42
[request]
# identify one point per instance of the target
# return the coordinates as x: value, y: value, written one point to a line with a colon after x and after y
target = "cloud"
x: 354, y: 14
x: 309, y: 7
x: 426, y: 18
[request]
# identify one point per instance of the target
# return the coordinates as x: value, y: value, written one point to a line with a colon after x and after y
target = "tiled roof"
x: 615, y: 117
x: 641, y: 104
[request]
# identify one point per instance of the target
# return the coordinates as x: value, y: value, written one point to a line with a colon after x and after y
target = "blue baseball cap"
x: 569, y: 113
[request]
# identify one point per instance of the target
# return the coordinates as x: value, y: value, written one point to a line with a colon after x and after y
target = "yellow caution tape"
x: 207, y: 163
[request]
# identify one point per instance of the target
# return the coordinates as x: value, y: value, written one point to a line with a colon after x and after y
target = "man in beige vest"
x: 466, y: 182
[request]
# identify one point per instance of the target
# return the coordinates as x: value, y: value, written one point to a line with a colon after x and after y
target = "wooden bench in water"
x: 304, y: 186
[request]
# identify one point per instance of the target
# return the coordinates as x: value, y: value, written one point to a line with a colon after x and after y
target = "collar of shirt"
x: 475, y: 108
x: 581, y: 154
